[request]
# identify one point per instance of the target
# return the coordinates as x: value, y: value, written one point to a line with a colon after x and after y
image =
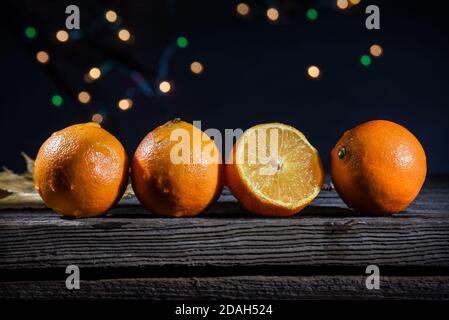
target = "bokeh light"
x: 354, y: 2
x: 84, y: 97
x: 342, y: 4
x: 365, y: 60
x: 196, y: 67
x: 30, y: 32
x: 57, y: 100
x: 165, y: 87
x: 313, y: 72
x: 62, y: 36
x: 125, y: 104
x: 98, y: 118
x: 124, y: 35
x: 111, y: 16
x: 182, y: 42
x: 312, y: 14
x: 94, y: 73
x: 42, y: 57
x: 376, y: 50
x: 273, y: 14
x: 243, y: 9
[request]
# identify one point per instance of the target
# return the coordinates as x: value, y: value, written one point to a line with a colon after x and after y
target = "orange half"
x: 273, y: 170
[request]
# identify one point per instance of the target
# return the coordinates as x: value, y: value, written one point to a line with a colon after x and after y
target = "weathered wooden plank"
x: 41, y: 241
x: 327, y: 233
x: 235, y: 287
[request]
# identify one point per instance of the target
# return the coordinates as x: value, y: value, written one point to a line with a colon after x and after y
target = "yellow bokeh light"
x: 243, y: 9
x: 94, y: 73
x: 165, y: 86
x: 98, y: 118
x: 62, y: 35
x: 84, y: 97
x: 354, y: 1
x: 376, y: 50
x: 125, y: 104
x: 42, y: 57
x: 124, y: 35
x: 273, y: 14
x: 111, y: 16
x: 196, y: 67
x: 313, y: 72
x: 342, y: 4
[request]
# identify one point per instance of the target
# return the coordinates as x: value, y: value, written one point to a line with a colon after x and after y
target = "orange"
x: 274, y: 171
x: 176, y: 170
x: 81, y: 171
x: 378, y: 167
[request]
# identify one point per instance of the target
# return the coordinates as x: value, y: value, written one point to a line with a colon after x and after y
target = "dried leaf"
x: 30, y: 164
x: 129, y: 192
x: 11, y: 182
x: 22, y: 200
x: 17, y: 191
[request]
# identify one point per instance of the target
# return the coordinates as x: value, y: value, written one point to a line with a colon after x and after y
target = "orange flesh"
x: 289, y: 175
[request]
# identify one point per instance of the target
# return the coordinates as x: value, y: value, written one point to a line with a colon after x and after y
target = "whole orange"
x: 378, y: 167
x: 176, y: 170
x: 81, y: 171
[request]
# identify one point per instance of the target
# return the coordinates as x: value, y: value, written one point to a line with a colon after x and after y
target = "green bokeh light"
x: 57, y: 100
x: 30, y: 32
x: 365, y: 60
x: 312, y: 14
x: 182, y: 42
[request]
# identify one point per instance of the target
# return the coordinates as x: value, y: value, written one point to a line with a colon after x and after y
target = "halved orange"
x: 274, y: 171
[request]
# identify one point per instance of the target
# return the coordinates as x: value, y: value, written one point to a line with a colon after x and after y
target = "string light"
x: 273, y: 14
x: 376, y: 50
x: 243, y: 9
x: 125, y: 104
x: 182, y: 42
x: 111, y: 16
x: 94, y: 73
x: 365, y: 60
x: 57, y: 100
x: 165, y: 87
x: 342, y: 4
x: 30, y: 32
x: 42, y: 57
x: 124, y: 35
x: 98, y: 118
x: 62, y: 35
x: 313, y: 72
x: 312, y: 14
x: 196, y: 67
x: 84, y: 97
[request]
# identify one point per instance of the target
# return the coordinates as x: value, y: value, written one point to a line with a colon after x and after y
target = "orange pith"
x: 279, y: 182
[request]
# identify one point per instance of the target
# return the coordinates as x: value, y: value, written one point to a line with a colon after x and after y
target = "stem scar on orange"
x: 177, y: 177
x: 81, y: 171
x: 378, y: 167
x: 274, y: 171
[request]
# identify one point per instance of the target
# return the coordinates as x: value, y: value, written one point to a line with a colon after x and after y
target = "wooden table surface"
x: 228, y: 253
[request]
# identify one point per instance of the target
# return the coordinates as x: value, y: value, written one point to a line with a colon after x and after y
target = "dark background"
x: 255, y: 71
